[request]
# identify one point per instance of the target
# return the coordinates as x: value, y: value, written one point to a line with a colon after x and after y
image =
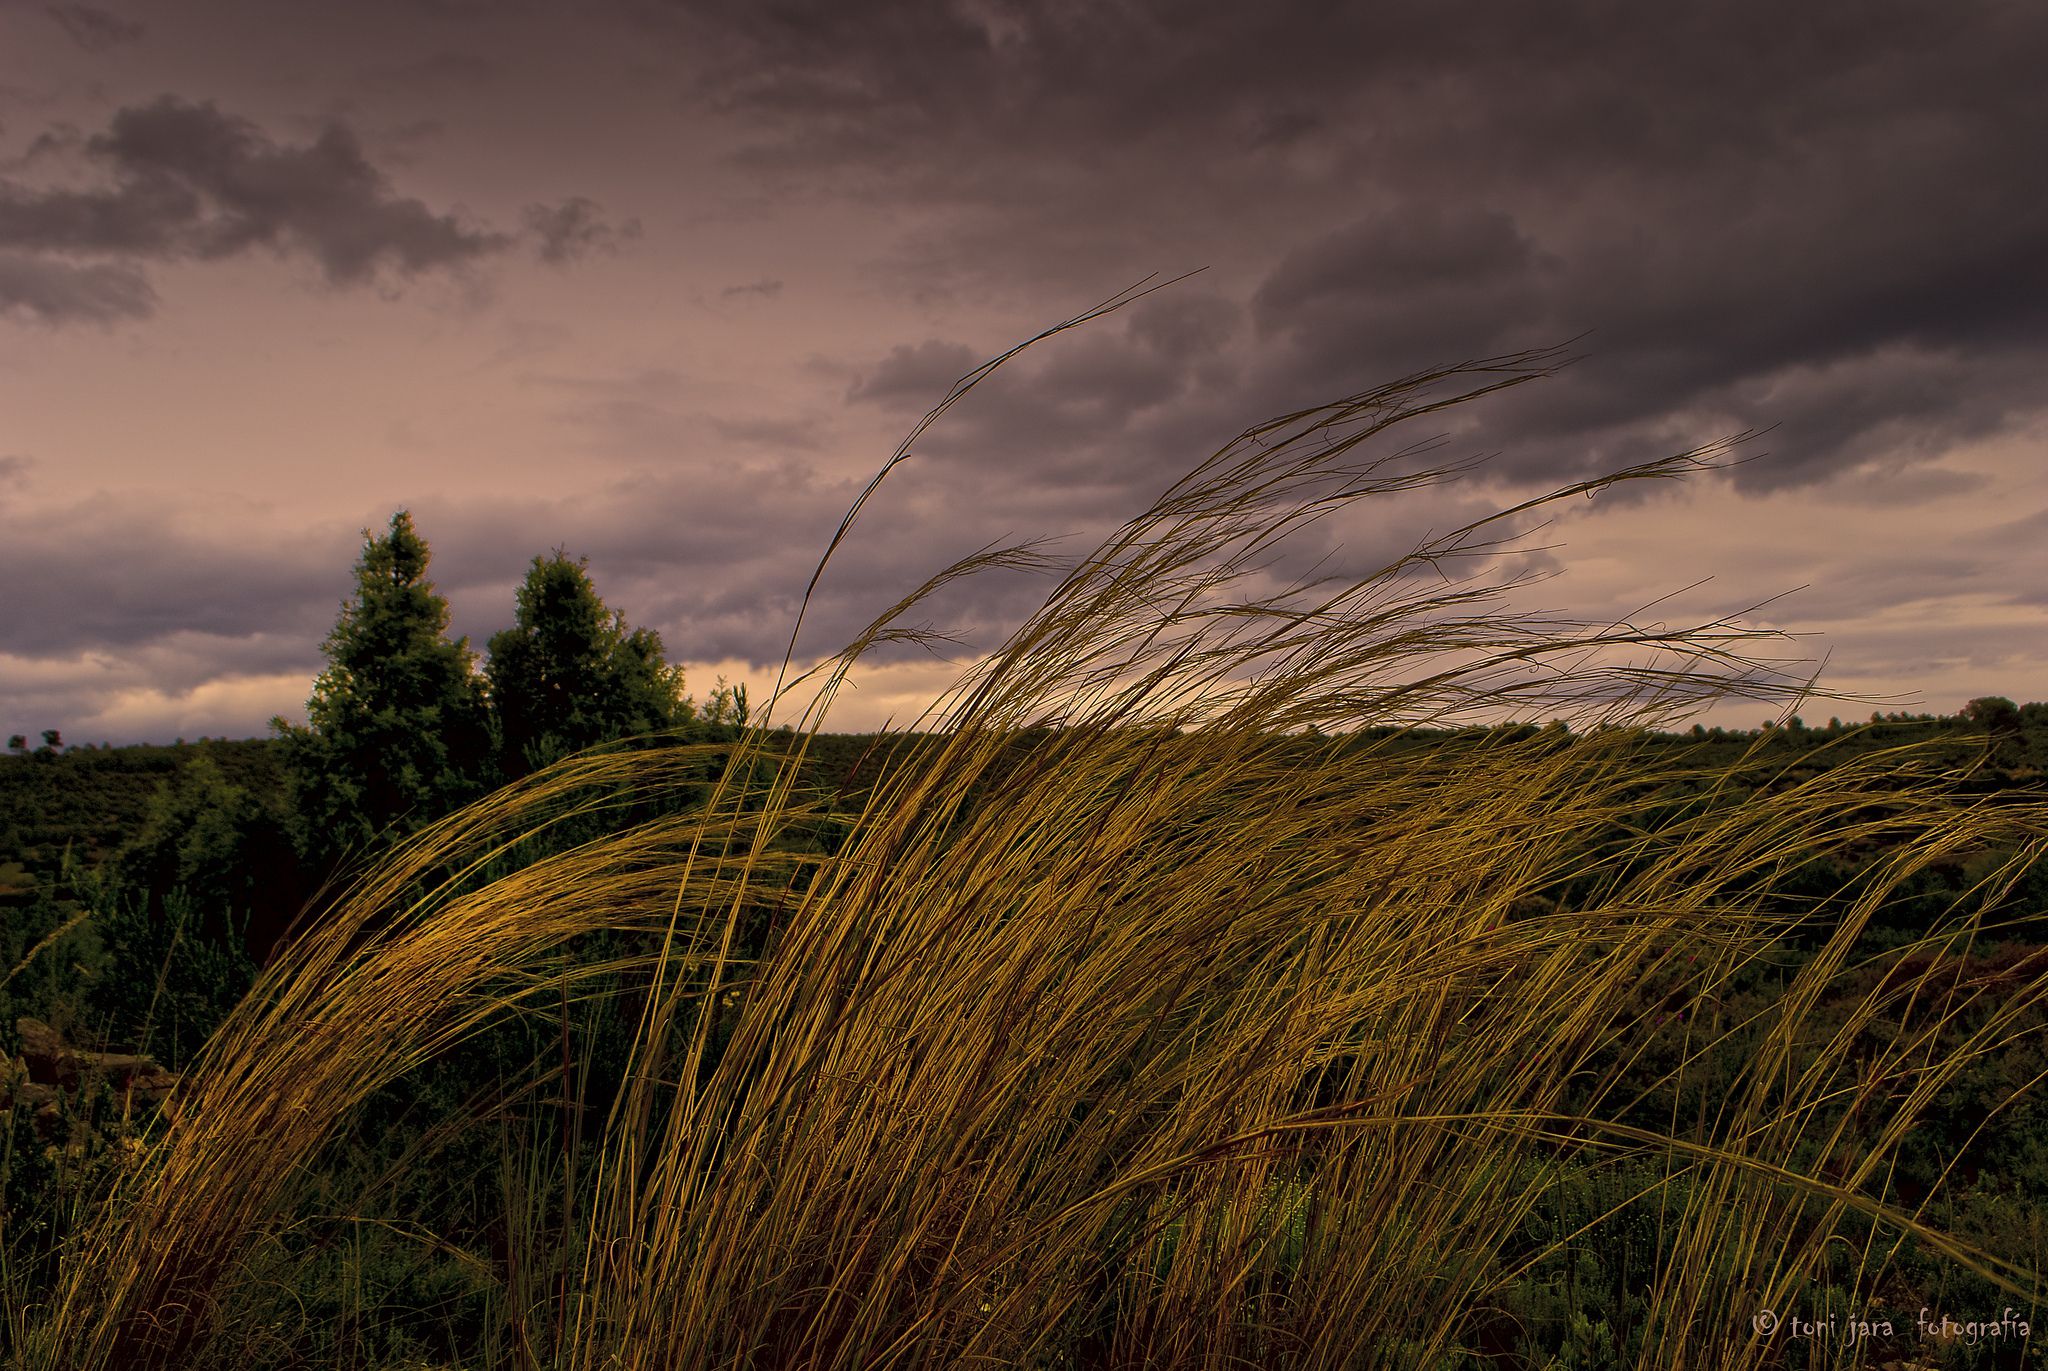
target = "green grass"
x: 1192, y: 1038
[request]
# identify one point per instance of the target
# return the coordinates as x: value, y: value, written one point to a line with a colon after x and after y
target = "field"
x: 1199, y: 985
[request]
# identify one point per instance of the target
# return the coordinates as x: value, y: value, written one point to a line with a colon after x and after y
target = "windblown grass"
x: 1209, y: 1033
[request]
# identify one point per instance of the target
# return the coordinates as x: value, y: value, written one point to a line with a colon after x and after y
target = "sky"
x: 664, y: 284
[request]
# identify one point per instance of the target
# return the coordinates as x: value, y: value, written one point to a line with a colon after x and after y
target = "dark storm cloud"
x: 323, y: 197
x: 1903, y: 402
x: 573, y: 229
x: 95, y: 30
x: 190, y: 181
x: 1723, y: 202
x: 1419, y: 280
x: 1187, y: 323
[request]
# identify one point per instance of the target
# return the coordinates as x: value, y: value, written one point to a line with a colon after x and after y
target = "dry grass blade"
x: 1135, y: 1023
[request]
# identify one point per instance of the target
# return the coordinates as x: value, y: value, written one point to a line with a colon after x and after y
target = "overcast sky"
x: 663, y: 284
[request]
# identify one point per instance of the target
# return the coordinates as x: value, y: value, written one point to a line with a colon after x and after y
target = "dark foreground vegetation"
x: 1194, y: 988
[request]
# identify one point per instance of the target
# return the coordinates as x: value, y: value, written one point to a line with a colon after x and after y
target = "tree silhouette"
x: 569, y: 674
x: 2000, y: 719
x: 396, y: 732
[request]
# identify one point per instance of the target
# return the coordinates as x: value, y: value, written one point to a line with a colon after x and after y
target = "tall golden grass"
x: 1211, y: 1033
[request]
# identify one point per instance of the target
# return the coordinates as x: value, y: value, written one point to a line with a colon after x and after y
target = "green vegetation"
x: 397, y: 729
x: 568, y: 675
x: 1197, y: 988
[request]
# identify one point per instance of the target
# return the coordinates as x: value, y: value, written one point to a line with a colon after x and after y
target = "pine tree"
x: 569, y: 674
x: 397, y: 733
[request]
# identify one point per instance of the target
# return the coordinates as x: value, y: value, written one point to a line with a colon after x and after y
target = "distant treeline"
x: 87, y: 800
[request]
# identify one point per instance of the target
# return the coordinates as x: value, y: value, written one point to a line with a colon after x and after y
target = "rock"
x: 44, y: 1103
x: 49, y: 1068
x: 43, y: 1051
x: 39, y: 1098
x: 51, y: 1061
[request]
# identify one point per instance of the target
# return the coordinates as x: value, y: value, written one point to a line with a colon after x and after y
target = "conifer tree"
x: 569, y: 674
x: 396, y: 731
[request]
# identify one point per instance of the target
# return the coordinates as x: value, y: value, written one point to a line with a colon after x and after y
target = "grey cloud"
x: 93, y: 29
x: 1186, y: 325
x: 117, y: 579
x: 716, y: 555
x: 640, y: 414
x: 179, y: 662
x: 325, y: 197
x: 56, y: 141
x: 1911, y: 486
x: 431, y: 74
x: 1877, y: 412
x: 1084, y: 413
x: 1586, y: 83
x: 1751, y: 218
x: 710, y: 557
x: 196, y: 685
x: 197, y: 607
x: 190, y: 181
x: 916, y: 375
x: 765, y: 288
x: 1069, y: 438
x: 1919, y: 650
x: 1407, y: 288
x: 14, y: 469
x: 473, y: 9
x: 1418, y: 250
x: 58, y: 293
x: 1716, y: 203
x: 2013, y: 548
x: 143, y: 216
x: 1844, y: 587
x: 1282, y: 127
x: 2027, y: 531
x: 1900, y: 402
x: 414, y: 131
x: 1102, y: 375
x: 784, y: 434
x: 575, y: 228
x: 1073, y: 385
